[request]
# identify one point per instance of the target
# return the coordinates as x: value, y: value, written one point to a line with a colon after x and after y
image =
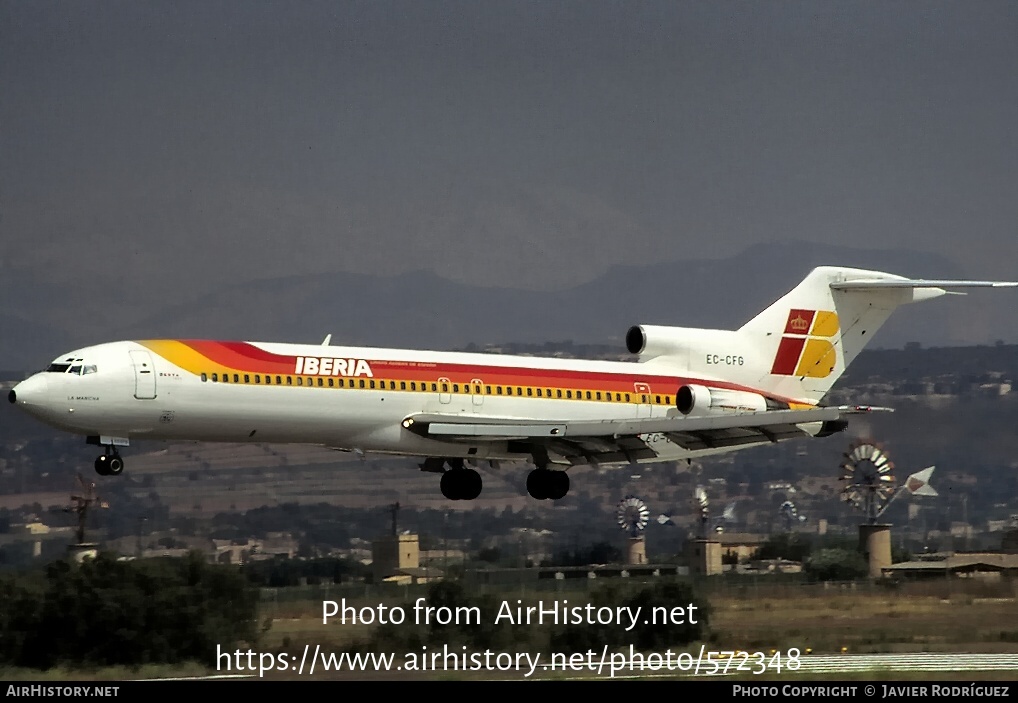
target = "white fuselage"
x: 339, y: 397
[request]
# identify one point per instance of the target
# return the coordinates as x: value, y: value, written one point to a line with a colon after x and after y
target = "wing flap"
x: 473, y: 427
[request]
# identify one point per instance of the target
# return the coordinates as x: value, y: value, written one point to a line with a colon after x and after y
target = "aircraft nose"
x: 31, y: 391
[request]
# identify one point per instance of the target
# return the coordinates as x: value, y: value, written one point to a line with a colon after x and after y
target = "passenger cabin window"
x: 204, y: 378
x: 215, y: 378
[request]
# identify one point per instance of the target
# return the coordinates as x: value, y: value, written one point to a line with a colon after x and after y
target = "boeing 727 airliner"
x: 692, y: 392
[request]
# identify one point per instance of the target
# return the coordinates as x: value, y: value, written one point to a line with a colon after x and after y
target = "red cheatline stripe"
x: 243, y: 356
x: 788, y: 356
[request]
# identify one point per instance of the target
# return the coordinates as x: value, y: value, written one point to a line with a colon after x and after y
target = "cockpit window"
x: 77, y: 368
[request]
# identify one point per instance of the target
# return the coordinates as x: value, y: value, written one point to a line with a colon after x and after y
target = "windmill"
x: 632, y: 515
x: 791, y: 515
x: 83, y: 501
x: 868, y: 478
x: 703, y: 504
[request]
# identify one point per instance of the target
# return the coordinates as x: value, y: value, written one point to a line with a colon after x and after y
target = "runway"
x: 818, y: 664
x: 917, y: 661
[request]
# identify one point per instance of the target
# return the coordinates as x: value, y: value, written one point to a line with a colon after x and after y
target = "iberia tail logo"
x: 806, y: 349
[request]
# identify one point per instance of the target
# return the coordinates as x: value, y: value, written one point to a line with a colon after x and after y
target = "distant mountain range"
x: 421, y: 310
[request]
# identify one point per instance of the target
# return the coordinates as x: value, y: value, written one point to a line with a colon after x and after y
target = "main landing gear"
x: 544, y: 483
x: 458, y: 482
x: 110, y: 463
x: 547, y: 484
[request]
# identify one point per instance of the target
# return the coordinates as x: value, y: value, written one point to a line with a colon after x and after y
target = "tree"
x: 106, y: 612
x: 836, y: 565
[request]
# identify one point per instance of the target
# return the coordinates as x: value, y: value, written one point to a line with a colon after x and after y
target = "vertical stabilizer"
x: 810, y: 335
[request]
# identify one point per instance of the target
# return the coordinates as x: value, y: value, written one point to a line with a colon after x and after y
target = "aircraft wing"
x: 611, y: 441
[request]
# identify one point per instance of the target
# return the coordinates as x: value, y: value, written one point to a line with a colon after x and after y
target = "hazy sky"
x: 170, y: 147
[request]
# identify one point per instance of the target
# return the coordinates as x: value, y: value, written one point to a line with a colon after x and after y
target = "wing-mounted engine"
x: 700, y: 400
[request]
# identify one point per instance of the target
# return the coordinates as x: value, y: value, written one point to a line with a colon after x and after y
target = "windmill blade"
x: 918, y: 484
x: 701, y: 496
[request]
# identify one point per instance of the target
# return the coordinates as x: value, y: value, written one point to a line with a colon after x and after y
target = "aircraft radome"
x: 691, y: 392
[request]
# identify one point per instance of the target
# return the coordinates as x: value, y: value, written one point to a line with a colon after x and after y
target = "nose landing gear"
x: 110, y: 463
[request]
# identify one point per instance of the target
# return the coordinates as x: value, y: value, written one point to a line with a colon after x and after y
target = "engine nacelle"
x: 700, y: 400
x: 655, y: 340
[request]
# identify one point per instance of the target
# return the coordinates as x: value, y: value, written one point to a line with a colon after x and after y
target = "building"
x: 985, y: 565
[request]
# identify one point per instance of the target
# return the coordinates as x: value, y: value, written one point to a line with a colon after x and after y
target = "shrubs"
x: 105, y: 612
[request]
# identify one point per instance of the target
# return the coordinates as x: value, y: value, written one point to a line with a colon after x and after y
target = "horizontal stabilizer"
x: 876, y: 284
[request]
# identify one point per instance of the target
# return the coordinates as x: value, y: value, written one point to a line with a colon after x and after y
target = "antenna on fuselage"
x: 328, y: 338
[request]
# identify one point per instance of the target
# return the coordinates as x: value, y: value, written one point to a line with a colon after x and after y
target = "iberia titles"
x: 316, y: 366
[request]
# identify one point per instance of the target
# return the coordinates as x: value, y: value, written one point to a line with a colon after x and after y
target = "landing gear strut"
x: 110, y: 463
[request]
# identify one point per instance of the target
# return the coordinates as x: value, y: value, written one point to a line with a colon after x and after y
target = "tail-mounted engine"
x: 656, y: 340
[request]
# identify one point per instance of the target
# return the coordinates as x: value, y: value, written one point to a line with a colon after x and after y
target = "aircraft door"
x: 444, y: 394
x: 144, y: 375
x: 477, y: 393
x: 642, y: 399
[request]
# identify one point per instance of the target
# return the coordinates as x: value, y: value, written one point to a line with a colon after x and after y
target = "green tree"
x: 106, y: 612
x: 836, y: 565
